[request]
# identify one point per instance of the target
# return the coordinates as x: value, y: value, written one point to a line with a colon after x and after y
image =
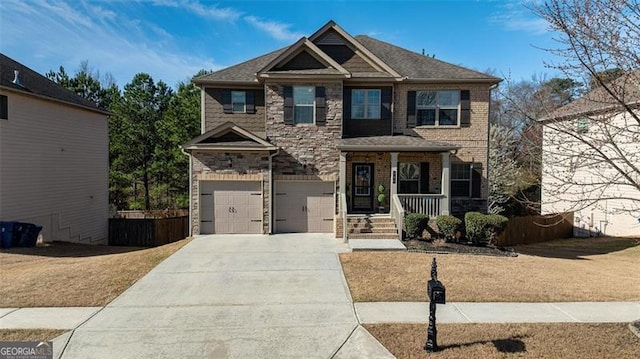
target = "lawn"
x: 592, y: 269
x: 29, y: 335
x: 74, y: 275
x: 557, y: 340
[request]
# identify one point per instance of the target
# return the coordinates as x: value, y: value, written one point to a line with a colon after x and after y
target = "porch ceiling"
x: 394, y: 143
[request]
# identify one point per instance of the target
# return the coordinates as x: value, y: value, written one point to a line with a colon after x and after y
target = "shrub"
x: 448, y: 225
x: 416, y: 223
x: 483, y: 229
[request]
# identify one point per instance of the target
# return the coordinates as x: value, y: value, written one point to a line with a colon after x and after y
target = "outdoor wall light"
x: 304, y: 164
x: 229, y: 160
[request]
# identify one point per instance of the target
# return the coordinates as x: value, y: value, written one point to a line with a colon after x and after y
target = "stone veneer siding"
x: 246, y: 166
x: 214, y: 115
x: 473, y: 140
x: 305, y: 143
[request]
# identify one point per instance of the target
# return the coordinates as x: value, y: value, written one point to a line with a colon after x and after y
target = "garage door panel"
x: 231, y: 207
x: 304, y: 206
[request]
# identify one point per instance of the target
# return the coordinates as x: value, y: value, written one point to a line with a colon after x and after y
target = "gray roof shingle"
x: 405, y: 62
x: 417, y: 66
x: 627, y: 87
x: 397, y: 143
x: 32, y: 82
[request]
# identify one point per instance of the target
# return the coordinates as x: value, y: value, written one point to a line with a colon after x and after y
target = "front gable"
x: 228, y: 137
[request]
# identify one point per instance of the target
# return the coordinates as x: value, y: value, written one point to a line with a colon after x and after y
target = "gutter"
x: 271, y: 189
x: 190, y: 189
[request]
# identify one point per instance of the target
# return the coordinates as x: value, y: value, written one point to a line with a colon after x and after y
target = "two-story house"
x: 301, y: 138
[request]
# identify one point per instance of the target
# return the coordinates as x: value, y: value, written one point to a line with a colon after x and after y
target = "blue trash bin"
x: 6, y: 234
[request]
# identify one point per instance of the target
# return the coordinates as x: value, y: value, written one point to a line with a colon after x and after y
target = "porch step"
x: 373, y: 236
x: 371, y: 227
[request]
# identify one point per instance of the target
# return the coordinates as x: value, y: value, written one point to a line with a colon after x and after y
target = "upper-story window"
x: 437, y: 108
x: 582, y: 126
x: 239, y: 101
x: 304, y: 100
x: 4, y: 108
x: 365, y: 104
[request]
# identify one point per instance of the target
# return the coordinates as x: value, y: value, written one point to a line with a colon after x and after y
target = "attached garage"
x: 304, y: 206
x: 230, y: 207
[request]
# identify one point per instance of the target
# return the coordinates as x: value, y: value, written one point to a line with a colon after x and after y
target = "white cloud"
x: 44, y: 35
x: 278, y: 31
x: 212, y: 12
x: 517, y: 17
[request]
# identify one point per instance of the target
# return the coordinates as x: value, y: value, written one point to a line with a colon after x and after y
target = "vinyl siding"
x: 214, y: 115
x: 613, y: 216
x: 54, y: 169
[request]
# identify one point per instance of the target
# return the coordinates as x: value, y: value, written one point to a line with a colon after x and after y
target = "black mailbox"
x: 436, y: 291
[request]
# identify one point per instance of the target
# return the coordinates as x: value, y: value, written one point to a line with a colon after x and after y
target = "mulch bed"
x: 415, y: 245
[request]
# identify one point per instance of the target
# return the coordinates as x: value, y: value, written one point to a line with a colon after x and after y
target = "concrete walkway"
x: 242, y: 296
x: 571, y: 312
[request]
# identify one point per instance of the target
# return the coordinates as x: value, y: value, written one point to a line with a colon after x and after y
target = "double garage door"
x: 304, y: 206
x: 236, y: 207
x: 230, y: 207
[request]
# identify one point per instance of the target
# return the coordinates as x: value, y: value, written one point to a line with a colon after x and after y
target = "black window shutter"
x: 424, y: 177
x: 226, y: 101
x: 251, y: 102
x: 4, y: 108
x: 385, y: 97
x: 346, y: 102
x: 288, y: 104
x: 476, y: 181
x: 321, y: 107
x: 411, y: 109
x: 465, y: 108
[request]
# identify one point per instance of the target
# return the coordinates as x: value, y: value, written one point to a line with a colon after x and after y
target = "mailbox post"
x: 436, y: 293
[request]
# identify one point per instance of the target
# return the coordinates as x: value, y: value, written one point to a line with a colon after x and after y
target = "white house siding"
x: 54, y: 169
x: 614, y: 215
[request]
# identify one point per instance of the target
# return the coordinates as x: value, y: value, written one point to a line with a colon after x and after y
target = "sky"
x: 173, y: 39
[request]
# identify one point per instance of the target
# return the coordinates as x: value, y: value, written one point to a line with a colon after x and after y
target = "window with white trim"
x: 437, y: 108
x: 304, y: 100
x: 239, y: 101
x: 582, y: 125
x: 461, y: 180
x: 365, y: 103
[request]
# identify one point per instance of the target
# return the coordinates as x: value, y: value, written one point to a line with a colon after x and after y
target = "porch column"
x: 342, y: 177
x: 394, y: 174
x: 446, y: 183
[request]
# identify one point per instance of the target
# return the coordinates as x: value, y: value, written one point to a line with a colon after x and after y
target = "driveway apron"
x: 229, y: 296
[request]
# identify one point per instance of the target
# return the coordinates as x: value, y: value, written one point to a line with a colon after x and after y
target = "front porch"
x: 394, y: 175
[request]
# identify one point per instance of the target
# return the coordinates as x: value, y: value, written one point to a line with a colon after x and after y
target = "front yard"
x: 552, y: 340
x: 590, y: 269
x: 74, y: 275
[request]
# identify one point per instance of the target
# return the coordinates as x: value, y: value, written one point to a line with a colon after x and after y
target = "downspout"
x: 271, y: 189
x: 190, y: 190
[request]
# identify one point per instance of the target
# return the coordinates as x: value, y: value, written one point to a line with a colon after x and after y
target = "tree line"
x: 147, y: 124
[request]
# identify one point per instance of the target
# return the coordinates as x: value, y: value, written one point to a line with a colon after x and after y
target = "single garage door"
x: 304, y: 206
x: 230, y: 207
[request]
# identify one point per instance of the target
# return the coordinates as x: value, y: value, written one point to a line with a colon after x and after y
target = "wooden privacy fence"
x: 147, y: 232
x: 534, y: 229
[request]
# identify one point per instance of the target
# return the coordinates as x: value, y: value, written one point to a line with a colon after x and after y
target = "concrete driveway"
x: 237, y: 296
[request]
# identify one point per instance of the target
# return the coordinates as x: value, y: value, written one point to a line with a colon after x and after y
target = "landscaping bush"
x: 416, y: 223
x: 448, y: 225
x: 482, y: 228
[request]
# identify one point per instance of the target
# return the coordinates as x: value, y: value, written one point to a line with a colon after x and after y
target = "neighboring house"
x: 54, y: 162
x: 295, y: 139
x: 591, y: 160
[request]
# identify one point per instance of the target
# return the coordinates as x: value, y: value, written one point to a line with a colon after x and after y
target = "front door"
x: 362, y: 187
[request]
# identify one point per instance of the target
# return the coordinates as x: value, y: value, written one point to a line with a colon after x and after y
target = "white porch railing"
x: 397, y: 213
x: 428, y: 204
x: 343, y: 215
